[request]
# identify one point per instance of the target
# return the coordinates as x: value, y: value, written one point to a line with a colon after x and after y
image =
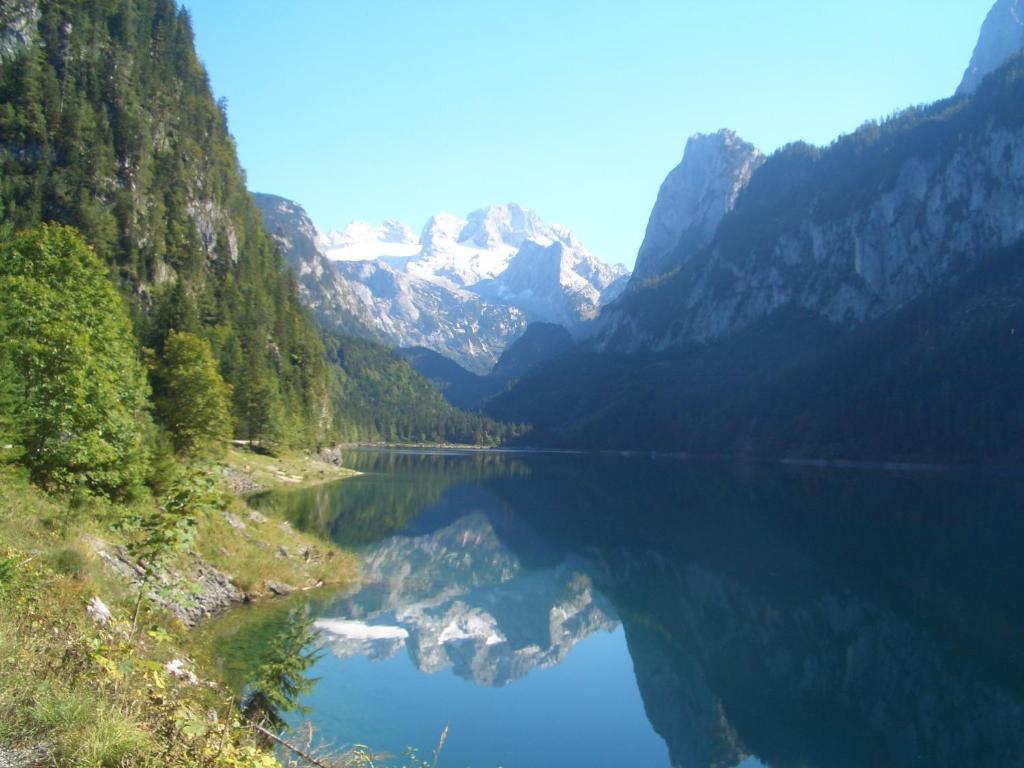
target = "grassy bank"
x: 247, y: 471
x: 122, y: 689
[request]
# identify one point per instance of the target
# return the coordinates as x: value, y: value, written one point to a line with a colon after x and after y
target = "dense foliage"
x: 75, y: 389
x: 192, y: 399
x: 107, y: 124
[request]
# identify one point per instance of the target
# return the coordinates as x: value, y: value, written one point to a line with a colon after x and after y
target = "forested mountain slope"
x: 861, y: 300
x: 107, y: 124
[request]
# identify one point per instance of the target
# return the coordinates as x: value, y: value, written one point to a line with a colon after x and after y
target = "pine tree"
x: 281, y: 679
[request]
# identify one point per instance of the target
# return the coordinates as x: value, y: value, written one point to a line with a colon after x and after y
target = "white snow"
x: 471, y: 626
x: 359, y: 630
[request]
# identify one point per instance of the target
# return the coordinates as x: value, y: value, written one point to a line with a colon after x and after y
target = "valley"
x: 283, y: 486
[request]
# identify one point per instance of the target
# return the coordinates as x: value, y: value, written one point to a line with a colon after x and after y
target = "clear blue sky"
x: 376, y: 109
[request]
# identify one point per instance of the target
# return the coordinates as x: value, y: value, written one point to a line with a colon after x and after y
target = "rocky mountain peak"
x: 442, y: 227
x: 1002, y: 37
x: 394, y: 231
x: 508, y: 224
x: 694, y: 198
x: 288, y: 223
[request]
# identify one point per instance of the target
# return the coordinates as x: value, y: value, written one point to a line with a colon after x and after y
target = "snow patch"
x: 359, y: 630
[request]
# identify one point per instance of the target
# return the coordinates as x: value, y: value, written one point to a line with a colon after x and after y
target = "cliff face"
x: 693, y: 199
x: 320, y: 287
x: 1002, y: 37
x: 18, y: 19
x: 851, y: 232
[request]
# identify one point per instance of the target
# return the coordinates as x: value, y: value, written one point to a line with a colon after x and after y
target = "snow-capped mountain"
x: 465, y: 288
x: 360, y: 241
x: 482, y: 247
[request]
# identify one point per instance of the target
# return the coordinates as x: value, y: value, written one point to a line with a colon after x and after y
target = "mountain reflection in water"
x: 777, y: 615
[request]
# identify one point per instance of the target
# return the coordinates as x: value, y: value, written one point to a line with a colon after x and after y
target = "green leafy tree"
x: 77, y: 391
x: 192, y: 400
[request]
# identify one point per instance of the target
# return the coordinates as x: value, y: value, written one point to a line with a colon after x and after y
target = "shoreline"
x: 245, y: 472
x: 889, y: 465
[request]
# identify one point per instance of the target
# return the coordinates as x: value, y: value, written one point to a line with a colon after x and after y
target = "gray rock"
x: 465, y: 288
x: 234, y: 521
x: 279, y: 588
x: 940, y: 211
x: 178, y: 669
x: 1002, y: 37
x: 192, y: 594
x: 34, y: 757
x: 693, y: 199
x: 18, y: 20
x: 98, y: 611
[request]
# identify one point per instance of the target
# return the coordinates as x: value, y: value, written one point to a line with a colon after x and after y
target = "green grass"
x: 284, y: 469
x: 254, y: 556
x: 99, y: 695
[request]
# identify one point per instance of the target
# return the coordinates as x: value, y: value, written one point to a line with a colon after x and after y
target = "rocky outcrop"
x: 693, y: 199
x: 321, y: 288
x: 192, y: 593
x: 1002, y: 37
x: 18, y: 20
x: 848, y: 233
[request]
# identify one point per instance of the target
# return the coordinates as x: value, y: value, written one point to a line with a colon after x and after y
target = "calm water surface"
x: 559, y: 610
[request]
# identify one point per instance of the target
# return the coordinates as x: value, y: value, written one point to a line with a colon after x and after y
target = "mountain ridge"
x: 859, y: 301
x: 465, y: 288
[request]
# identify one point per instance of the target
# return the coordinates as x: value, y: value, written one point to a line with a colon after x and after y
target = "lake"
x: 557, y: 610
